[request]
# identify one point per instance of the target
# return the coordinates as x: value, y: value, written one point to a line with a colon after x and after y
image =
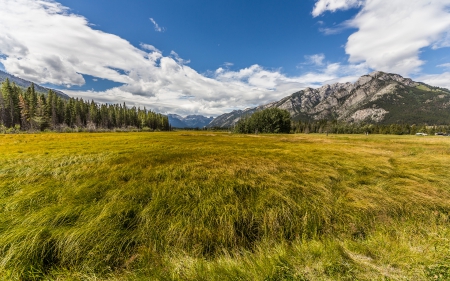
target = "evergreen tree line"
x: 335, y: 127
x: 275, y: 120
x: 271, y: 120
x: 29, y: 110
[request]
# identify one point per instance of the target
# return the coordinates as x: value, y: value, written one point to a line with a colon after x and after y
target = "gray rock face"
x: 374, y: 114
x: 375, y: 98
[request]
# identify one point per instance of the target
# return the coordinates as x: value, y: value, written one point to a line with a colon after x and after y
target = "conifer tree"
x: 2, y: 109
x: 8, y: 103
x: 24, y: 113
x: 41, y: 118
x: 38, y: 111
x: 33, y: 100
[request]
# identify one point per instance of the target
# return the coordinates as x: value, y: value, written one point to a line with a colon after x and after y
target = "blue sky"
x: 210, y: 57
x: 210, y: 33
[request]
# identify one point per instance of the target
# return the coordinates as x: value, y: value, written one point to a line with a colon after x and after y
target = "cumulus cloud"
x: 334, y: 5
x: 44, y: 42
x: 157, y: 27
x: 180, y: 89
x: 391, y: 34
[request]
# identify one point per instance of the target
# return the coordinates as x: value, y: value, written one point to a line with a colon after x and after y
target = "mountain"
x: 190, y: 121
x: 25, y: 84
x: 379, y: 97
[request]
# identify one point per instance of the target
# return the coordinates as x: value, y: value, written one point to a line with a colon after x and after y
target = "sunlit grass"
x: 219, y: 206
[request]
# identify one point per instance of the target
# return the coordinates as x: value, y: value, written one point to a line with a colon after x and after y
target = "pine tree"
x: 8, y: 103
x: 41, y: 118
x: 16, y: 92
x: 37, y: 111
x: 2, y: 109
x: 33, y: 100
x: 24, y: 113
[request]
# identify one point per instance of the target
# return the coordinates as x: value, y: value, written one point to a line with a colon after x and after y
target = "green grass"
x: 218, y: 206
x: 423, y: 87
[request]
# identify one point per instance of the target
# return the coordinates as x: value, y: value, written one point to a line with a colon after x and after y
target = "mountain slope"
x: 25, y: 84
x: 376, y: 98
x: 190, y: 121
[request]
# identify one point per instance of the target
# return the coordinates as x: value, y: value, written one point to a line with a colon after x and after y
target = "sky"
x: 211, y: 57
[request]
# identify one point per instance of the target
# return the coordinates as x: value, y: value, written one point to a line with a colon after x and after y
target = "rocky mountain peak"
x: 394, y: 77
x: 378, y: 97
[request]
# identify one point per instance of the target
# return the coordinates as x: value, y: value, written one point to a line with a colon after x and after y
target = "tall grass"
x: 200, y: 206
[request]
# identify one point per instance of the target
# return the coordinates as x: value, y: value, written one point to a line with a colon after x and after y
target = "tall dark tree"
x: 271, y: 120
x: 7, y: 93
x: 24, y: 113
x: 2, y: 109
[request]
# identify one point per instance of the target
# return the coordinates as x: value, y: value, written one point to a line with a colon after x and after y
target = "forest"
x: 337, y: 127
x: 275, y: 120
x: 28, y: 110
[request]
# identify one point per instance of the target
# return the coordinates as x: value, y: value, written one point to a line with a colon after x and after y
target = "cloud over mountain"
x: 44, y: 42
x: 391, y: 34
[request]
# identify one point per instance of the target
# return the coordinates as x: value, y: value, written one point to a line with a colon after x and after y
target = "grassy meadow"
x: 219, y: 206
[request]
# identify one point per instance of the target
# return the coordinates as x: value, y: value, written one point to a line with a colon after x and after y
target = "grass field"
x: 219, y: 206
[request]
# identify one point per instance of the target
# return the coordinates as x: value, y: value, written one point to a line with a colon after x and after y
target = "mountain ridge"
x: 25, y: 84
x: 190, y: 121
x: 377, y: 97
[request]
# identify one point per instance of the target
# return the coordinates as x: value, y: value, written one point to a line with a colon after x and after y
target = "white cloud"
x: 440, y: 80
x: 157, y: 27
x: 334, y: 5
x: 149, y: 48
x: 391, y: 34
x: 184, y: 91
x: 43, y: 42
x: 445, y: 65
x: 178, y: 59
x: 316, y: 59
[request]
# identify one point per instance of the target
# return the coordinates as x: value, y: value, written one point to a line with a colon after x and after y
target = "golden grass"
x: 219, y: 206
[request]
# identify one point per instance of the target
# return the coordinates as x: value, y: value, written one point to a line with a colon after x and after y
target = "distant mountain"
x: 375, y: 98
x: 25, y: 84
x: 190, y: 121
